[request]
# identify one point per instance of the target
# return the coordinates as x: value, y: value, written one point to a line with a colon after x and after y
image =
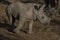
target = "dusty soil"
x: 40, y: 31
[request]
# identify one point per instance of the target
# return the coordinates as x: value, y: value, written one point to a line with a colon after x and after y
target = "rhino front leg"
x: 30, y: 26
x: 20, y: 25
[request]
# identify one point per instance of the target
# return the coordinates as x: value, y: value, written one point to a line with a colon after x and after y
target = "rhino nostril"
x: 52, y: 22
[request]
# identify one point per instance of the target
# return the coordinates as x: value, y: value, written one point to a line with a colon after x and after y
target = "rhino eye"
x: 42, y: 17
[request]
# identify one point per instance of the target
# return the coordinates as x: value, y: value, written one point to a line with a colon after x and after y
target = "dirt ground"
x: 40, y: 31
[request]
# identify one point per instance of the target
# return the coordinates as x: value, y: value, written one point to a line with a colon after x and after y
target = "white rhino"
x: 26, y: 12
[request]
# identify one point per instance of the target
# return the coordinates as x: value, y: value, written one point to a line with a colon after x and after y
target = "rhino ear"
x: 37, y: 7
x: 42, y: 17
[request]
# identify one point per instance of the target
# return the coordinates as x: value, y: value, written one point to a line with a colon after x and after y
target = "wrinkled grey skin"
x: 26, y: 12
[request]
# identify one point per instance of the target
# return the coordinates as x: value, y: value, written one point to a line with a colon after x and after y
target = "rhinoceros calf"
x: 26, y: 12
